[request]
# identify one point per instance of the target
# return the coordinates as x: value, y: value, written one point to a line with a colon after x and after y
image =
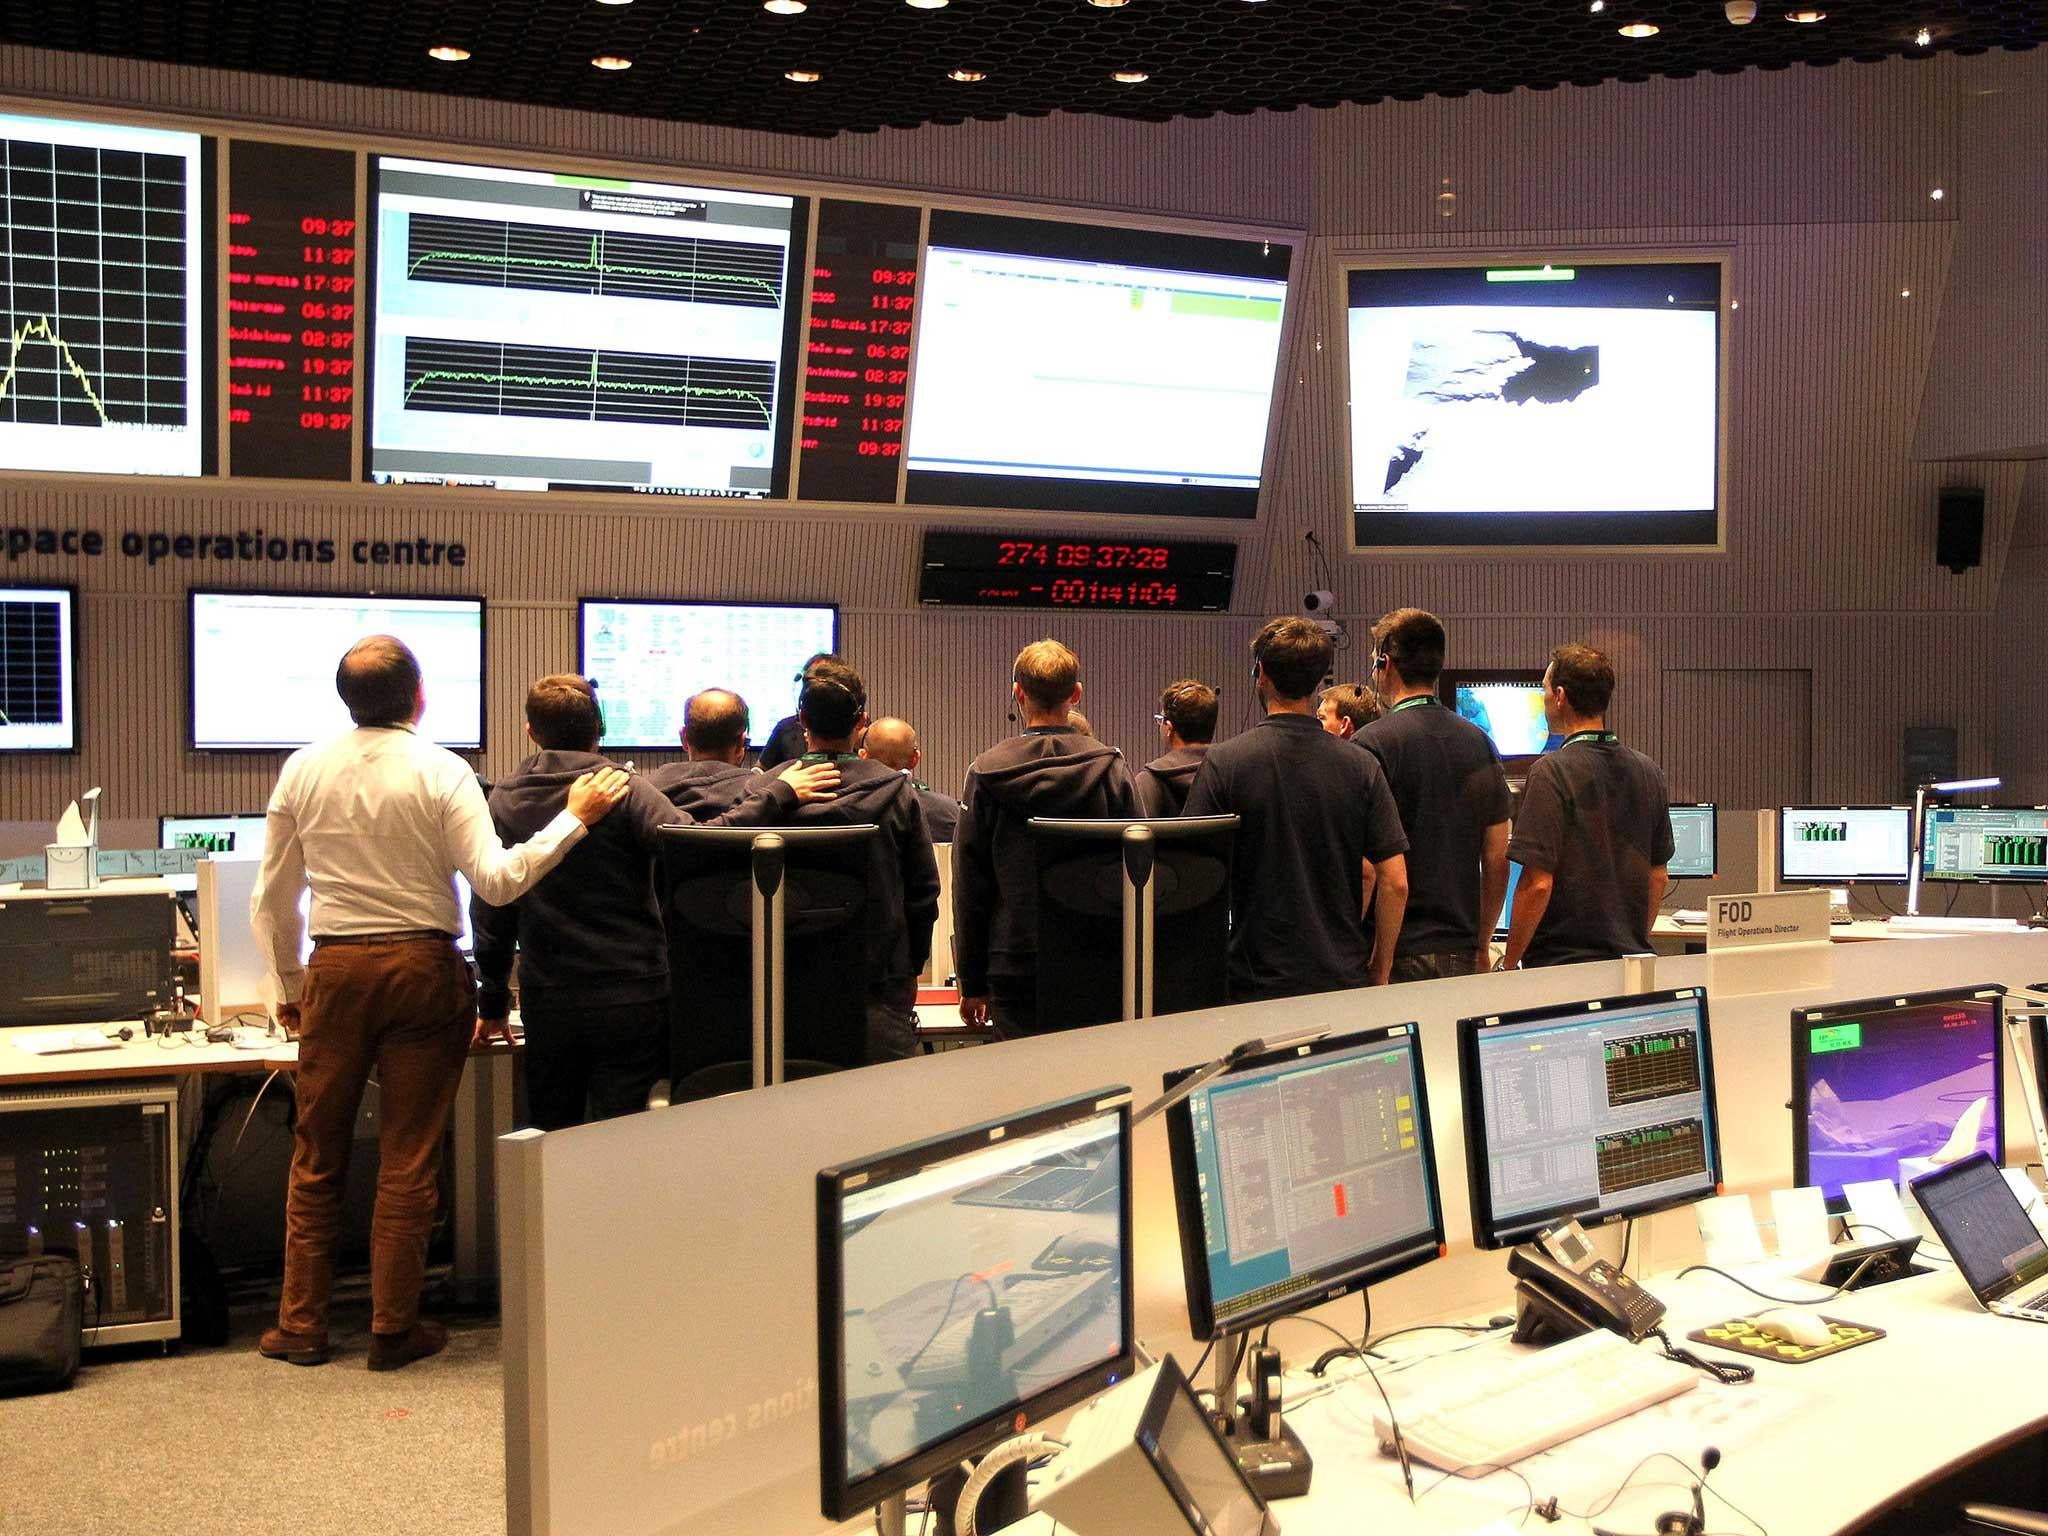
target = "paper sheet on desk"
x: 64, y: 1041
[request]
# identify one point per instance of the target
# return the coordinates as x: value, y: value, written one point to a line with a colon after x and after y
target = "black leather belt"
x: 399, y: 936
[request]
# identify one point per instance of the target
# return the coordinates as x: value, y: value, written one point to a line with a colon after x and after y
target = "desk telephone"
x: 1563, y: 1290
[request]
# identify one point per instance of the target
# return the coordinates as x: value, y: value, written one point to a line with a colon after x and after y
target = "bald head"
x: 379, y: 681
x: 894, y: 744
x: 715, y: 725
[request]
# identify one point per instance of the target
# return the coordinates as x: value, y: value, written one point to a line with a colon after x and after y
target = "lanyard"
x: 1419, y: 699
x: 830, y: 757
x: 1594, y: 736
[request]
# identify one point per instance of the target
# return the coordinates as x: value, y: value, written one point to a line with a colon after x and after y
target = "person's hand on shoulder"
x: 593, y: 796
x: 488, y: 1030
x: 812, y: 781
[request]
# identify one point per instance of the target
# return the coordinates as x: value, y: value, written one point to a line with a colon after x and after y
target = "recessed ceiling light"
x: 614, y: 2
x: 784, y: 7
x: 1922, y: 38
x: 803, y: 76
x: 1597, y: 6
x: 1937, y: 194
x: 1640, y: 29
x: 927, y: 5
x: 611, y: 61
x: 966, y: 76
x: 1109, y: 5
x: 448, y: 53
x: 1130, y: 77
x: 1805, y: 18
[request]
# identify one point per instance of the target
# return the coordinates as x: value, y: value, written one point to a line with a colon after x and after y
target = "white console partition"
x: 659, y: 1296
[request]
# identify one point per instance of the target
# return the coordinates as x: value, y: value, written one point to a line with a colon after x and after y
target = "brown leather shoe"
x: 298, y: 1348
x: 392, y: 1351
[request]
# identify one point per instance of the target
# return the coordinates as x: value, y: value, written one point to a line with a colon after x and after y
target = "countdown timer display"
x: 984, y: 570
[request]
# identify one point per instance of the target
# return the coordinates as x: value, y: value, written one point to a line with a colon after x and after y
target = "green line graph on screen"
x: 94, y: 255
x: 573, y: 383
x: 494, y: 253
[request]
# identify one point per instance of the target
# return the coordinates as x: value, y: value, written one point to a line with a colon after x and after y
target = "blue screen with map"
x: 1568, y: 404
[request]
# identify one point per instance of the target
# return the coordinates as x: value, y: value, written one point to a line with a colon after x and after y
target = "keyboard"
x: 1532, y: 1402
x: 1040, y: 1308
x: 1690, y: 917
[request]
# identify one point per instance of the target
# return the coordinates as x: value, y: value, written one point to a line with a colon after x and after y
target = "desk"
x: 1808, y: 1450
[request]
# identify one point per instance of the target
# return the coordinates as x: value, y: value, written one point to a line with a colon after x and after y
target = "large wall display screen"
x: 106, y: 361
x: 1069, y: 367
x: 647, y: 658
x: 38, y: 669
x: 1535, y: 405
x: 263, y: 665
x: 543, y: 331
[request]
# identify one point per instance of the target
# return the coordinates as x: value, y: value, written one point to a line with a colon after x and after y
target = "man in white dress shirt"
x: 377, y: 822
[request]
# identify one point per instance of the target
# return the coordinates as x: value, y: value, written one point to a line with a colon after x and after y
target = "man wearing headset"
x: 1319, y: 837
x: 593, y: 980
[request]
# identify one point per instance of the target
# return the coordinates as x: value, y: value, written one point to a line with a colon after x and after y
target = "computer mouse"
x: 1795, y: 1327
x: 1077, y: 1253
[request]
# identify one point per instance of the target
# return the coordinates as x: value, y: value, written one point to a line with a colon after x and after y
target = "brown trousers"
x: 403, y: 1011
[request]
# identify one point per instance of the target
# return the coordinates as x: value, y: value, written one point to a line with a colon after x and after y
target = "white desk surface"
x: 1861, y: 931
x: 143, y: 1056
x: 1948, y: 1383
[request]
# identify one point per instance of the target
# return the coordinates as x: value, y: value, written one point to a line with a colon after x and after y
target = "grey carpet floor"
x: 223, y: 1441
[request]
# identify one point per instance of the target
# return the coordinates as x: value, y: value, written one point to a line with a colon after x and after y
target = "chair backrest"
x: 1080, y: 916
x: 708, y: 887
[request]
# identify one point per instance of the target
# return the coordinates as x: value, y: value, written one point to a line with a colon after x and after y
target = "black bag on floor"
x: 42, y: 1313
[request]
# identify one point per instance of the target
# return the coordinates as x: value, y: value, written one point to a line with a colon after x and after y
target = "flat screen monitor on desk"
x: 1301, y: 1175
x: 1890, y: 1087
x: 1507, y: 705
x: 262, y: 665
x: 1987, y: 844
x: 1600, y: 1110
x: 238, y: 836
x: 1696, y: 843
x: 1844, y: 844
x: 965, y: 1284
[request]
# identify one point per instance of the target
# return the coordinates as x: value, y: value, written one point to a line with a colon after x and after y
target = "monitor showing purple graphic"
x: 1893, y: 1087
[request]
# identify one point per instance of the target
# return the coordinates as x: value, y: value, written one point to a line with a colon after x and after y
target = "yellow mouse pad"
x: 1744, y: 1337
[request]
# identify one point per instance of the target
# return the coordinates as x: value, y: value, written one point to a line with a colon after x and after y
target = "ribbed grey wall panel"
x: 1253, y: 168
x: 1813, y: 181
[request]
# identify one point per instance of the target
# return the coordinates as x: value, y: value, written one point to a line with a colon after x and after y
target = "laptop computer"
x: 1988, y: 1233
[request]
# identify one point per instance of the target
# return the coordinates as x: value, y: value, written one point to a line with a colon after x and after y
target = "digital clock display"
x: 857, y: 351
x: 1149, y: 575
x: 293, y: 311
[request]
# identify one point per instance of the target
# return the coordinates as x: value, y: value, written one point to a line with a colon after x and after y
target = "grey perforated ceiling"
x: 891, y: 62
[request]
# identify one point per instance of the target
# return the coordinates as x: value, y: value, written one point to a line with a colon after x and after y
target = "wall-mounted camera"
x: 1318, y: 602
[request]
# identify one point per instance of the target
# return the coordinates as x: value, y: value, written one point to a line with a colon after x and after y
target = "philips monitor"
x: 263, y: 665
x: 1561, y: 403
x: 1844, y: 844
x: 1071, y: 367
x: 1695, y: 843
x: 537, y: 330
x: 38, y: 669
x: 1600, y: 1111
x: 1987, y: 844
x: 1301, y: 1175
x: 1507, y: 704
x: 1890, y: 1087
x: 219, y: 837
x: 108, y: 279
x: 648, y: 657
x: 968, y: 1285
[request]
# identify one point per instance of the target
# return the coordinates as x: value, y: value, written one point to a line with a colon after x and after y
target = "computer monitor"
x: 1889, y: 1087
x: 38, y: 668
x: 1600, y: 1110
x: 1695, y: 843
x: 1507, y: 705
x: 647, y: 658
x: 262, y: 665
x: 235, y: 836
x: 1988, y: 844
x: 90, y: 958
x: 968, y: 1285
x: 1301, y: 1175
x: 1844, y: 844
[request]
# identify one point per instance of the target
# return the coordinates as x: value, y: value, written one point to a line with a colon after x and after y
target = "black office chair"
x: 711, y: 879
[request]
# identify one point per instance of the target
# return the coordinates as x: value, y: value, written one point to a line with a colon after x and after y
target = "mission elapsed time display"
x: 1013, y: 571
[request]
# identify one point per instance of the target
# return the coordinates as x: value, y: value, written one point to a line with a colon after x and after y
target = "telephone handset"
x: 1563, y: 1289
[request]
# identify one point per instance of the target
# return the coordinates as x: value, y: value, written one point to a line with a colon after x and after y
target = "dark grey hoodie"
x: 1048, y: 771
x: 704, y: 790
x: 1164, y: 782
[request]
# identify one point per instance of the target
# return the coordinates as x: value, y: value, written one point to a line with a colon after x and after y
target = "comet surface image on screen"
x: 1535, y: 405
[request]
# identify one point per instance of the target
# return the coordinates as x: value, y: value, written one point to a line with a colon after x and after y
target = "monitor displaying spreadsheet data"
x: 1988, y: 844
x: 1599, y: 1111
x: 263, y: 665
x: 1695, y: 844
x: 1844, y: 844
x: 647, y: 658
